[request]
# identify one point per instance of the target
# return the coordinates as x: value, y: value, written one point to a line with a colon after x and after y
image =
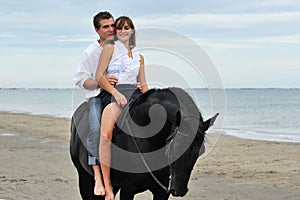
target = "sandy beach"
x: 35, y: 164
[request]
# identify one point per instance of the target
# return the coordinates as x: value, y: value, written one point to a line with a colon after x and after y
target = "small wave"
x: 8, y: 134
x: 256, y: 135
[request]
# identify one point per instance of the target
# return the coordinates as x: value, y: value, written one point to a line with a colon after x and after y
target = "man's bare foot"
x: 99, y: 189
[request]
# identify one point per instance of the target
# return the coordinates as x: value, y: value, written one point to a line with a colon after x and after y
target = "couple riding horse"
x: 156, y: 142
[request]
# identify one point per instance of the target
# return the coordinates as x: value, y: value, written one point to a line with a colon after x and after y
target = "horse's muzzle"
x: 179, y: 193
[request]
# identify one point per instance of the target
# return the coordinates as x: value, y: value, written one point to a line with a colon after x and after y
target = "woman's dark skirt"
x: 129, y: 91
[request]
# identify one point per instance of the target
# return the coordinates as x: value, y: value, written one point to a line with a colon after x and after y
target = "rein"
x: 141, y: 155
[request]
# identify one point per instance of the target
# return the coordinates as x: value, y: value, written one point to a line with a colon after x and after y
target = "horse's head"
x: 181, y: 168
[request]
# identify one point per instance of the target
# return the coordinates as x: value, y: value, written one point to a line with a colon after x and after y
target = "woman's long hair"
x: 119, y: 23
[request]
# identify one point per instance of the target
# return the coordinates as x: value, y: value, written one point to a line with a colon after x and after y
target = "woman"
x: 127, y: 65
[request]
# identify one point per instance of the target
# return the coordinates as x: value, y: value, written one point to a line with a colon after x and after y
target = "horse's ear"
x: 208, y: 123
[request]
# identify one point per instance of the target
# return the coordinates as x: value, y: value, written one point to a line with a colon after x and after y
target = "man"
x: 85, y: 78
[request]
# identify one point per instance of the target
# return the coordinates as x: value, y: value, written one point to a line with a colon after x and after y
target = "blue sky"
x: 253, y: 43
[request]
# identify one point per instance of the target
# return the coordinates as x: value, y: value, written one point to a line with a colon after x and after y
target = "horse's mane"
x: 188, y: 109
x: 188, y: 106
x: 143, y: 98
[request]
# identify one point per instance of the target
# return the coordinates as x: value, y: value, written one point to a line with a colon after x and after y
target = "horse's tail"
x: 78, y: 155
x: 74, y: 145
x: 79, y: 132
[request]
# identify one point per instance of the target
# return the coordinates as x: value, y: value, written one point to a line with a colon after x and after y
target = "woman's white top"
x: 123, y: 67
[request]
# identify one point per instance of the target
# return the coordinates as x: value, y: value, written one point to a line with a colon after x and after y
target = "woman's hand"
x: 120, y: 98
x: 112, y: 80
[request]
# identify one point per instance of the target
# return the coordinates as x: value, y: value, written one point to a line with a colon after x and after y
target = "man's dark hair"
x: 100, y: 16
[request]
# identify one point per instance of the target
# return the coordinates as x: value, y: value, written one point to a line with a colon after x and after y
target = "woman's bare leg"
x: 109, y: 117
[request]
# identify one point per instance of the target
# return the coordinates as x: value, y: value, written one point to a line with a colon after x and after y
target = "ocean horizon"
x: 270, y: 114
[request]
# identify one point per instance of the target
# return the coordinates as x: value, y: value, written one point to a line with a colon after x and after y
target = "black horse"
x: 155, y: 145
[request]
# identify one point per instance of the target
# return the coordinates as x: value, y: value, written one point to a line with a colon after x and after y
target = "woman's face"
x: 124, y: 33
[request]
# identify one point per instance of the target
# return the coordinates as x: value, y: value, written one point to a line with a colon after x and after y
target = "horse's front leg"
x: 159, y: 193
x: 126, y: 195
x: 115, y: 190
x: 162, y: 195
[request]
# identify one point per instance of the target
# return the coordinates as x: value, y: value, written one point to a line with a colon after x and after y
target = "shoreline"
x: 36, y: 125
x: 224, y: 132
x: 235, y: 168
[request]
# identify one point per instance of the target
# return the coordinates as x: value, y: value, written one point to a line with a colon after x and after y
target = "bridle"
x: 170, y: 141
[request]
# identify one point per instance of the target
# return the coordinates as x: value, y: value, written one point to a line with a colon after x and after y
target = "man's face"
x: 106, y: 30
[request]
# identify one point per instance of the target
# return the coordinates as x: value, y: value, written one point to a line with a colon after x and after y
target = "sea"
x: 269, y: 114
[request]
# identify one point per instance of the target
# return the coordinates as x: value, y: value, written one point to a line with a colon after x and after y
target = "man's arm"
x: 91, y: 84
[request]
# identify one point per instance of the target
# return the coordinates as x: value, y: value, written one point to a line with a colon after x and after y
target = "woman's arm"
x: 142, y: 76
x: 103, y: 63
x: 104, y: 60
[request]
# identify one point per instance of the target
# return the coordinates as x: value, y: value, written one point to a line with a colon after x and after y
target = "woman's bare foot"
x: 109, y: 195
x: 99, y: 189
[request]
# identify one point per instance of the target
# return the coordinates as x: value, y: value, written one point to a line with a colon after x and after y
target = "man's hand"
x: 138, y: 85
x: 112, y: 80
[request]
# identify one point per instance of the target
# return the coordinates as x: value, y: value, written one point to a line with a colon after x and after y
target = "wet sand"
x: 35, y: 164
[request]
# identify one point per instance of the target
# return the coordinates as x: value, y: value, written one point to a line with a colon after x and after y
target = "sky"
x: 251, y: 44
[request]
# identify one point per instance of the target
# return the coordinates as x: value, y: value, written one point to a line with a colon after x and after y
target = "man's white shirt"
x: 87, y: 68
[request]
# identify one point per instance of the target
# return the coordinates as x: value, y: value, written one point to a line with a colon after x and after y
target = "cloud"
x: 276, y: 3
x: 251, y: 43
x: 289, y: 39
x: 218, y: 21
x: 76, y: 38
x: 229, y: 45
x: 7, y: 36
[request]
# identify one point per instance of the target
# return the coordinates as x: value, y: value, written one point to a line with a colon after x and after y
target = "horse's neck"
x: 139, y: 113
